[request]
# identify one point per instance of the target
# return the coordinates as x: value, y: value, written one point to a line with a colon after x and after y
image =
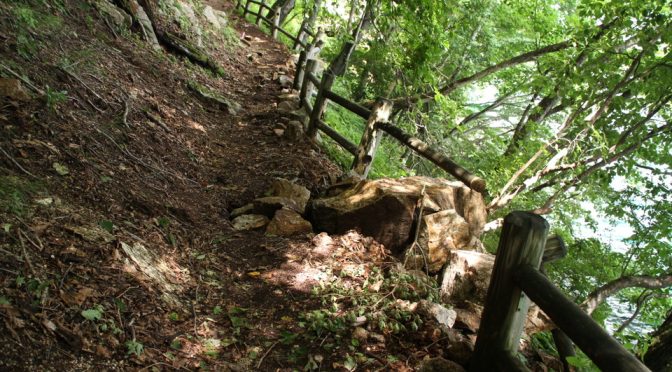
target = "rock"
x: 287, y: 222
x: 439, y: 313
x: 249, y: 222
x: 185, y: 18
x: 285, y: 194
x: 279, y: 132
x: 285, y: 81
x: 113, y: 14
x: 459, y: 348
x: 245, y: 209
x: 294, y: 130
x: 360, y: 334
x: 469, y: 319
x: 384, y: 209
x: 324, y: 245
x: 12, y: 89
x: 284, y: 188
x: 214, y: 17
x: 440, y: 365
x: 210, y: 97
x: 145, y: 23
x: 377, y: 337
x: 440, y: 233
x: 466, y: 277
x: 289, y: 96
x: 287, y: 106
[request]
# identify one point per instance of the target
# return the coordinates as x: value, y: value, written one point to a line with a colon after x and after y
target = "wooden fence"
x: 377, y: 118
x: 523, y: 246
x: 517, y: 279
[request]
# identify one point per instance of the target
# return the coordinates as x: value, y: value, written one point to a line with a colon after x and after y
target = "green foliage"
x: 376, y: 297
x: 54, y: 98
x: 93, y: 314
x: 134, y: 347
x: 15, y: 193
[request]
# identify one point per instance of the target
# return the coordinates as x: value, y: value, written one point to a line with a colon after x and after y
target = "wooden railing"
x: 523, y: 246
x: 305, y: 80
x: 517, y: 279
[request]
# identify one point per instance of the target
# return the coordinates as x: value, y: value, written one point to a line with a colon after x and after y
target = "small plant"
x: 176, y: 344
x: 134, y: 347
x: 217, y: 310
x: 93, y: 314
x: 55, y: 97
x: 174, y: 316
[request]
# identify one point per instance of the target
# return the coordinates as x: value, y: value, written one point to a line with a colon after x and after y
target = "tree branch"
x: 599, y: 295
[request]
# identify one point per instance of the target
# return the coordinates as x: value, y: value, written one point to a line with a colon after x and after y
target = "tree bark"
x: 659, y: 355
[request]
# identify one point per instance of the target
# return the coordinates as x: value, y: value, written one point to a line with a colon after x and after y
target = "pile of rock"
x: 281, y: 213
x: 452, y: 218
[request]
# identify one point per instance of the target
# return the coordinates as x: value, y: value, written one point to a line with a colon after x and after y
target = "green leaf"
x: 106, y: 225
x: 61, y: 169
x: 217, y: 310
x: 93, y: 314
x: 134, y: 347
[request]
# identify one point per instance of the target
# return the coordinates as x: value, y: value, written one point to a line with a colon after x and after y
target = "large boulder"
x: 466, y: 276
x: 385, y: 209
x: 441, y: 233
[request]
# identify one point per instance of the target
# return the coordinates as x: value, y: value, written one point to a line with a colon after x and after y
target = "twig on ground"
x: 80, y: 81
x: 25, y: 254
x: 124, y: 117
x: 261, y: 360
x: 65, y: 275
x: 16, y: 163
x: 129, y: 154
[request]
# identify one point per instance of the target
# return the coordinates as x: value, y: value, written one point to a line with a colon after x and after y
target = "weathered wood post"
x: 261, y: 8
x: 247, y: 8
x: 371, y: 137
x: 522, y: 242
x: 320, y: 103
x: 307, y: 84
x: 276, y: 24
x: 298, y: 75
x: 299, y: 36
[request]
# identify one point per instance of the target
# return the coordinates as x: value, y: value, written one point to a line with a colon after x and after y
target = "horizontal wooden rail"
x: 596, y: 343
x: 442, y: 161
x: 261, y: 4
x: 329, y: 131
x: 344, y: 142
x: 313, y: 79
x: 359, y: 110
x: 555, y: 249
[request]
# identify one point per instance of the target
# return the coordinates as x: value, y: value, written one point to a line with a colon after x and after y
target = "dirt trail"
x: 146, y: 165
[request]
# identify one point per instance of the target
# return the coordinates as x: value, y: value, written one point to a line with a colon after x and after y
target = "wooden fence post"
x: 320, y: 103
x: 258, y: 20
x: 306, y: 84
x: 299, y: 74
x: 522, y: 242
x: 297, y: 41
x: 276, y: 24
x: 371, y: 137
x: 247, y: 8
